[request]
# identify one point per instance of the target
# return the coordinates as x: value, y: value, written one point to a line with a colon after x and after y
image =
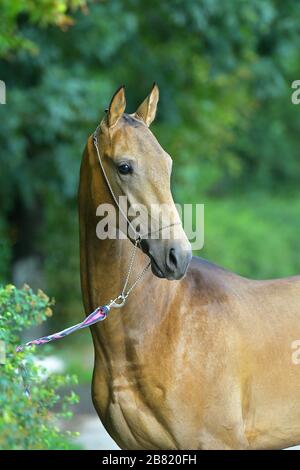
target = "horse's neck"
x: 108, y: 262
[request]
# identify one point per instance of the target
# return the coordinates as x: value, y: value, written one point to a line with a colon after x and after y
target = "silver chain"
x: 121, y: 299
x: 139, y: 277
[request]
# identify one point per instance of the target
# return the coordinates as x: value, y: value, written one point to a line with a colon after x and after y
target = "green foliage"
x: 39, y: 12
x: 29, y: 422
x: 225, y: 115
x: 255, y: 236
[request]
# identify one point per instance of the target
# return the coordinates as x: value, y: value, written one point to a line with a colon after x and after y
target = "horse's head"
x: 138, y: 167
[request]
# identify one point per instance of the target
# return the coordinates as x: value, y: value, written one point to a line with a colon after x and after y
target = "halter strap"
x: 95, y: 141
x: 138, y: 237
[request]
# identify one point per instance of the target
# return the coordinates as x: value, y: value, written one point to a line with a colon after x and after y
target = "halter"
x: 121, y: 299
x: 101, y: 312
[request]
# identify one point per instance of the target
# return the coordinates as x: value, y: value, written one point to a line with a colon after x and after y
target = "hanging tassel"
x: 98, y: 315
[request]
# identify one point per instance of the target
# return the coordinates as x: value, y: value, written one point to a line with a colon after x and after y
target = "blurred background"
x: 225, y: 115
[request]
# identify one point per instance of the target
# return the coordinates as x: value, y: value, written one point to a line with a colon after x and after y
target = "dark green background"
x: 224, y: 70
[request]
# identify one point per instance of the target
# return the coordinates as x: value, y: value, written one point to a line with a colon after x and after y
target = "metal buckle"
x: 118, y: 302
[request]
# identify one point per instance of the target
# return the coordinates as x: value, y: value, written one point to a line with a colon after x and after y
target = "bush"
x: 29, y: 422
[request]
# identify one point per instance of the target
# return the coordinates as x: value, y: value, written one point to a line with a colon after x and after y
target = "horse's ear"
x: 117, y: 107
x: 147, y: 110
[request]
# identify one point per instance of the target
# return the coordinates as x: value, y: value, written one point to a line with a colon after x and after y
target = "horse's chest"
x: 131, y: 416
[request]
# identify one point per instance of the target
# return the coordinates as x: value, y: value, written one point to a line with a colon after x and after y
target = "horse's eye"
x: 124, y: 169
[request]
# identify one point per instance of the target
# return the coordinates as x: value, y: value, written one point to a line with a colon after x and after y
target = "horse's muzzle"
x: 169, y: 259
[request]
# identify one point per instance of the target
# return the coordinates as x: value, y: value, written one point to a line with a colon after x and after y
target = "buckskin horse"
x: 200, y: 363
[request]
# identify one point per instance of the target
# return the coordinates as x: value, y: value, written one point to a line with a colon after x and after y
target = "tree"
x: 224, y: 70
x: 41, y: 13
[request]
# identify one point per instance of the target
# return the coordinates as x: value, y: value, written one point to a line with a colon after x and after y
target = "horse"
x: 198, y: 357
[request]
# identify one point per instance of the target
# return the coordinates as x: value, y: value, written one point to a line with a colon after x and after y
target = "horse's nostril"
x: 145, y: 246
x: 172, y: 260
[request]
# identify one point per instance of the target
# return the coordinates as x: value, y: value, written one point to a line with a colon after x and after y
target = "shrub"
x: 29, y: 422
